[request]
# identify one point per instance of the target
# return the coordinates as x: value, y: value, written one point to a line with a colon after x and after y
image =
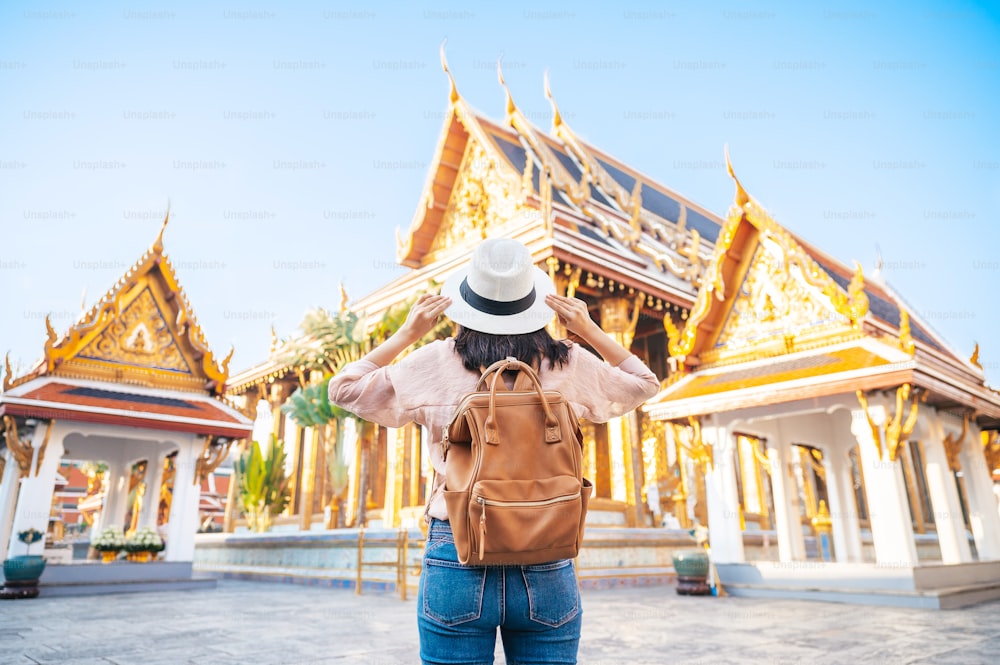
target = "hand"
x: 423, y: 316
x: 572, y: 313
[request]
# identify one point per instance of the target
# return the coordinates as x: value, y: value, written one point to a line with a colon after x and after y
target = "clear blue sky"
x: 293, y: 139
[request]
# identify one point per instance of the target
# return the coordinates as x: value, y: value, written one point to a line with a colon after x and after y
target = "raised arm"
x: 573, y: 314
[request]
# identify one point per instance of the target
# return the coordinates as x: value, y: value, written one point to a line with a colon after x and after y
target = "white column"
x: 889, y: 512
x: 725, y: 535
x: 183, y: 522
x: 983, y: 515
x: 116, y: 494
x: 8, y: 498
x: 616, y: 453
x: 151, y: 499
x: 843, y: 516
x: 948, y: 519
x: 34, y: 497
x: 786, y: 520
x: 843, y: 508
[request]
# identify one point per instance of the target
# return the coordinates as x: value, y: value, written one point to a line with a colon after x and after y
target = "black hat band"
x: 496, y: 307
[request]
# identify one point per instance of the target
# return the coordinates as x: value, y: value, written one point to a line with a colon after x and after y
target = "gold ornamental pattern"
x: 484, y: 198
x: 140, y: 336
x: 773, y: 302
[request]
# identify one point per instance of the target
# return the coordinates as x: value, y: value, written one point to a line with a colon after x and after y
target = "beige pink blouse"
x: 426, y: 386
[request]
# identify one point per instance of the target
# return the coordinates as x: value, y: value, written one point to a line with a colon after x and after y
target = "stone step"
x: 126, y: 586
x: 942, y: 598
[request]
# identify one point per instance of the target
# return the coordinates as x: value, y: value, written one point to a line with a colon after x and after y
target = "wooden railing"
x: 403, y: 543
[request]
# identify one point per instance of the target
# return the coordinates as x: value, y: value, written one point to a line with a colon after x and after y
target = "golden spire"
x: 158, y: 243
x: 905, y: 339
x: 742, y: 198
x: 556, y: 118
x: 8, y: 376
x: 453, y: 95
x: 49, y: 330
x: 343, y: 299
x: 975, y: 357
x: 511, y: 107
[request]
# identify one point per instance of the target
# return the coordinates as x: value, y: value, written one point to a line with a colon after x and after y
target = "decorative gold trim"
x: 991, y: 450
x: 8, y: 376
x: 44, y: 447
x: 953, y: 445
x: 896, y: 430
x: 974, y: 358
x: 21, y: 450
x: 210, y: 458
x: 905, y: 339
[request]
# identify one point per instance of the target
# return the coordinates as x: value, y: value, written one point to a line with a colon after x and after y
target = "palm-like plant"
x: 326, y: 343
x: 262, y: 484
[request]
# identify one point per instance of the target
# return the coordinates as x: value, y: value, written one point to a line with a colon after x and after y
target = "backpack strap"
x: 553, y: 432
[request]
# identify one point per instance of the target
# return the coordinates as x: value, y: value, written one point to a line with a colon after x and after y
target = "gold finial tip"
x: 742, y: 198
x: 158, y: 243
x: 511, y: 107
x: 556, y: 116
x: 453, y: 95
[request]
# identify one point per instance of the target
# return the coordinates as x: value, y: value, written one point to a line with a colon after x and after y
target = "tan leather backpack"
x: 514, y: 481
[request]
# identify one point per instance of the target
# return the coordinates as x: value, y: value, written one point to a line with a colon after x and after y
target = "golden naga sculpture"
x: 20, y: 449
x: 689, y: 438
x: 896, y: 430
x: 953, y: 445
x: 211, y: 457
x: 974, y: 359
x: 991, y: 450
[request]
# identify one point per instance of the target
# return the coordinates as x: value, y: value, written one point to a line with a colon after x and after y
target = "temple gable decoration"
x: 142, y: 331
x: 763, y: 295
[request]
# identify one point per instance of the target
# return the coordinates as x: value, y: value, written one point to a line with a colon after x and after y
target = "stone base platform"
x: 611, y: 557
x: 928, y: 586
x: 92, y: 578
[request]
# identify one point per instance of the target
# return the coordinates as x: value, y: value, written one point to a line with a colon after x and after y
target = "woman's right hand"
x: 423, y: 316
x: 573, y: 314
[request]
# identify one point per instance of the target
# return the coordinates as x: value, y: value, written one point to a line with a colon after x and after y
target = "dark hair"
x: 478, y: 349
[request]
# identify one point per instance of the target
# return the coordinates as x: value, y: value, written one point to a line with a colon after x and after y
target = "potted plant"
x: 21, y: 573
x: 109, y: 543
x: 143, y: 545
x: 691, y: 566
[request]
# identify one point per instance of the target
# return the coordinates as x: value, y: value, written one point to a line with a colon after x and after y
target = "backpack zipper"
x: 483, y: 501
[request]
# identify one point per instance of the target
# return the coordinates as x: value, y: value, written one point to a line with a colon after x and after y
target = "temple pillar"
x: 395, y: 439
x: 310, y: 438
x: 151, y: 497
x: 885, y: 489
x: 725, y: 533
x: 983, y: 515
x: 352, y: 452
x: 948, y: 519
x: 618, y: 318
x: 791, y: 544
x: 34, y: 496
x: 184, y: 505
x: 843, y: 512
x: 115, y: 495
x: 9, y: 485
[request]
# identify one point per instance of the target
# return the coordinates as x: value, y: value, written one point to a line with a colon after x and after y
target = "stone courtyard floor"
x: 257, y: 623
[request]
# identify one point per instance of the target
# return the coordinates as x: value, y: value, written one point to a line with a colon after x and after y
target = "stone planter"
x: 21, y: 574
x: 691, y: 567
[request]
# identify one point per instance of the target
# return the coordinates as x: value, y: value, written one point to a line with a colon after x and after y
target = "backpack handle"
x: 553, y: 432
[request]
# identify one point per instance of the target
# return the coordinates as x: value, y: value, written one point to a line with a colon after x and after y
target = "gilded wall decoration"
x: 773, y: 301
x: 484, y: 198
x: 139, y: 336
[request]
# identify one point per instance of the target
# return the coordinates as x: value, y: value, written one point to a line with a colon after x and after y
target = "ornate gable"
x: 141, y: 332
x: 764, y: 295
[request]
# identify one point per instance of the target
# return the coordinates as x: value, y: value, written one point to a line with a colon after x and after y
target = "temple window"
x: 753, y: 482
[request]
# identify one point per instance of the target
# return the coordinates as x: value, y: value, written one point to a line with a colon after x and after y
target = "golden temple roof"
x: 142, y: 331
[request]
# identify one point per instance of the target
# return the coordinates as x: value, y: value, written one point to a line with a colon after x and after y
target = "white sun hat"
x: 501, y: 291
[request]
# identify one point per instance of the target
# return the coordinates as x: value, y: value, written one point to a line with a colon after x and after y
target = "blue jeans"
x: 459, y: 608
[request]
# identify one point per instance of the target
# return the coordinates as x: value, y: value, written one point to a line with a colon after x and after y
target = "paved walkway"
x: 256, y: 623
